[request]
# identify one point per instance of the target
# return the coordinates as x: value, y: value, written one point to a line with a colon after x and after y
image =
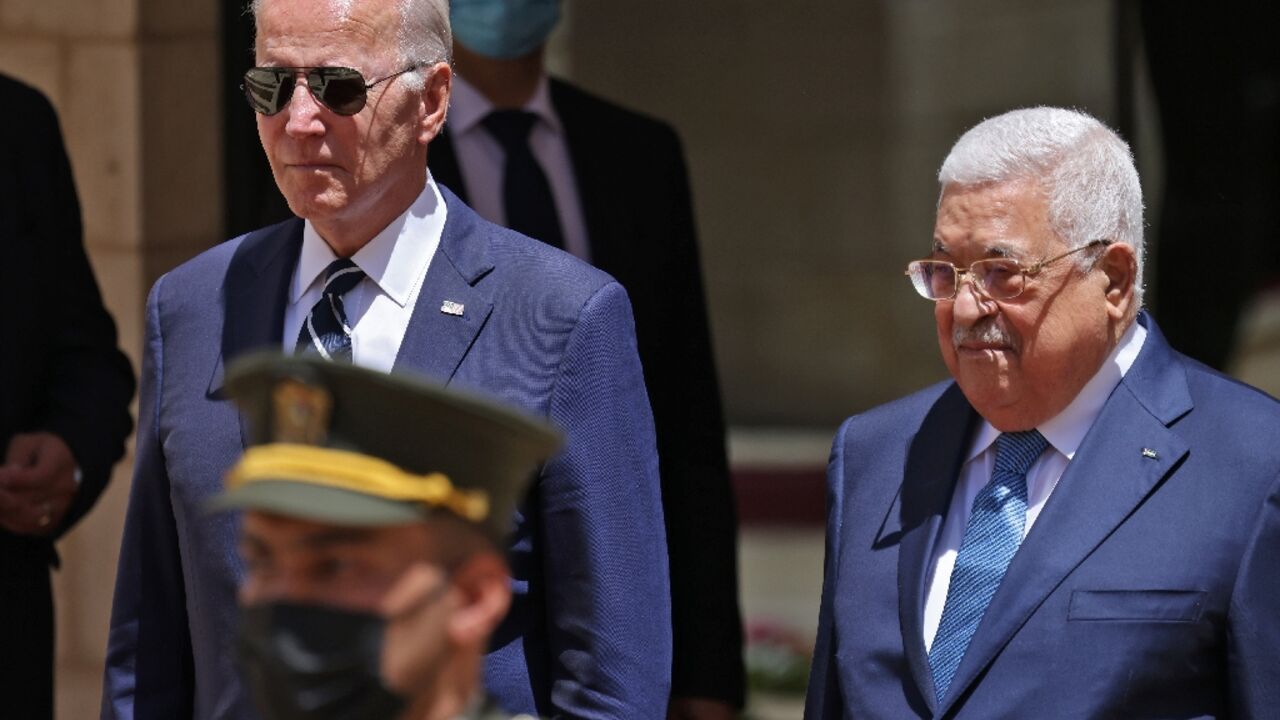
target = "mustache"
x: 984, y: 332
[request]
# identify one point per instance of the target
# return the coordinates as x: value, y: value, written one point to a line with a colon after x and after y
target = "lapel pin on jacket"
x: 450, y: 307
x: 1149, y: 454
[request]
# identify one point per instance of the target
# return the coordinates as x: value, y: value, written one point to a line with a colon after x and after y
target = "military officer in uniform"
x: 375, y: 509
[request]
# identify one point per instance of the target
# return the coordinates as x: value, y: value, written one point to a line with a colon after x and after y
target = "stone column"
x: 136, y: 85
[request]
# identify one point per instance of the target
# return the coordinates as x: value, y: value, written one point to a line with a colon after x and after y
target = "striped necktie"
x: 325, y: 331
x: 991, y: 537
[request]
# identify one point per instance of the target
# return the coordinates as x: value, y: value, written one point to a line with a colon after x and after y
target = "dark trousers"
x: 26, y: 650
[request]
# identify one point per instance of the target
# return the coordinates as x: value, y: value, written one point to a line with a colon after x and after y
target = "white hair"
x: 1084, y: 167
x: 424, y: 36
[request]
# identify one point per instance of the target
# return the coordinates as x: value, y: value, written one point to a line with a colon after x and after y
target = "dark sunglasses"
x: 341, y: 89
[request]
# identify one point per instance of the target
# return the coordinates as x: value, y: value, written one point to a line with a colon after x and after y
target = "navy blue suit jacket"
x: 589, y: 632
x: 1148, y: 587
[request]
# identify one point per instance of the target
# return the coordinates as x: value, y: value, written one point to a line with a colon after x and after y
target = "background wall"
x: 814, y: 131
x: 135, y: 83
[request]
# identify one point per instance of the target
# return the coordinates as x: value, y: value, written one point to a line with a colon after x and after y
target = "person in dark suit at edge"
x: 541, y: 156
x: 64, y: 409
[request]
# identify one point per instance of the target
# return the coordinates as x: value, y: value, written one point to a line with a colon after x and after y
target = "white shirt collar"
x: 467, y: 107
x: 393, y: 265
x: 1067, y: 429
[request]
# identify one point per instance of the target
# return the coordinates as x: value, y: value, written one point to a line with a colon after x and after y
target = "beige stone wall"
x: 813, y: 132
x: 135, y: 83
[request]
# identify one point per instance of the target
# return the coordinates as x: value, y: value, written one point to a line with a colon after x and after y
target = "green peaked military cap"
x: 340, y: 444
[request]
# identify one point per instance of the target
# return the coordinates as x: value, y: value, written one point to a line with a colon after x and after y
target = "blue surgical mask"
x: 503, y: 29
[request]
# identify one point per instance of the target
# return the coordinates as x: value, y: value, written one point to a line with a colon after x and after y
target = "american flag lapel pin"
x: 450, y: 307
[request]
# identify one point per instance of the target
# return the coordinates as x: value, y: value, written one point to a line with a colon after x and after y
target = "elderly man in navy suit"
x: 1083, y: 523
x: 386, y: 269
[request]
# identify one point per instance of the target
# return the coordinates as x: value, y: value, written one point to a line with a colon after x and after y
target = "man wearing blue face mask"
x: 545, y: 158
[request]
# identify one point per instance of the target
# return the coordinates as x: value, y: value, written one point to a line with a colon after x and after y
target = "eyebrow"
x: 994, y: 250
x: 1001, y: 250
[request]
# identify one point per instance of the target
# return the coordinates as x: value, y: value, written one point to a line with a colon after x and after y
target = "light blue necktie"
x: 990, y: 540
x: 325, y: 331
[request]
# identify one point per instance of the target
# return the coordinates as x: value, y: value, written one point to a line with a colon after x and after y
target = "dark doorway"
x: 252, y: 199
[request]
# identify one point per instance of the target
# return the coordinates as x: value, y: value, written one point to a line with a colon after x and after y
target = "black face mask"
x: 315, y: 662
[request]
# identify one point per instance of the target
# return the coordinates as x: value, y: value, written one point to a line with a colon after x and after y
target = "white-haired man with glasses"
x: 1082, y: 522
x: 384, y: 268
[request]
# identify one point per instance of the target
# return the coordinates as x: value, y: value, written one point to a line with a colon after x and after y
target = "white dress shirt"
x: 1064, y: 432
x: 395, y: 264
x: 481, y: 159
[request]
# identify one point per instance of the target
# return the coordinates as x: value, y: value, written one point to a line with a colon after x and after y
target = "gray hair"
x: 424, y: 35
x: 1086, y: 169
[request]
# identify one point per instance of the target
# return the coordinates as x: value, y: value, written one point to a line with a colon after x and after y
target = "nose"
x: 304, y: 111
x: 970, y: 305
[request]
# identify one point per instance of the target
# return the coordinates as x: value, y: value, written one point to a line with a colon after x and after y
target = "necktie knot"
x: 1016, y: 452
x: 527, y: 199
x: 325, y: 331
x: 510, y: 128
x: 341, y: 276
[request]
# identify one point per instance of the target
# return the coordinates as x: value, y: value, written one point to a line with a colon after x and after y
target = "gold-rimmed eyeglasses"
x: 996, y: 278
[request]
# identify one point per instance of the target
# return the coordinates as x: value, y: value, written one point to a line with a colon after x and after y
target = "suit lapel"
x: 437, y: 337
x: 443, y: 163
x: 933, y: 464
x: 254, y: 295
x: 1112, y: 473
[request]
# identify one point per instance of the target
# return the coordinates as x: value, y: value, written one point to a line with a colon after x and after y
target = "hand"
x: 37, y: 483
x: 700, y: 709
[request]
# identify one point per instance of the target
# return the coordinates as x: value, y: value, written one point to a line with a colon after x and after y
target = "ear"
x: 435, y: 101
x: 485, y: 587
x: 1119, y: 263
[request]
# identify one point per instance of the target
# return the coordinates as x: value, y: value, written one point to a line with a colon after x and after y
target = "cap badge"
x: 302, y: 412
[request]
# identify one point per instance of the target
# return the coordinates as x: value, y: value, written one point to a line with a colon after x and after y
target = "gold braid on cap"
x: 357, y: 473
